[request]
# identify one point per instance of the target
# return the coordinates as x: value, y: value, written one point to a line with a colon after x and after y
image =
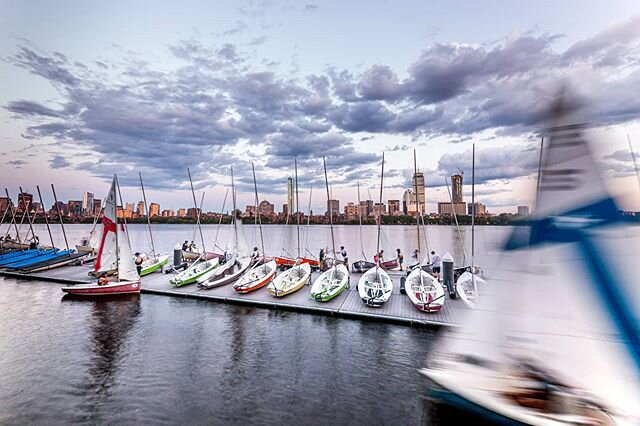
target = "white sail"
x: 106, y: 259
x: 564, y: 300
x: 126, y: 265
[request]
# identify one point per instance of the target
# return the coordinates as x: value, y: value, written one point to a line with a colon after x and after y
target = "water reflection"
x: 110, y: 320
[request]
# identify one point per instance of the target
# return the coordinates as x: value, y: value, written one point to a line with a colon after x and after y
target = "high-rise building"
x: 394, y: 207
x: 140, y: 209
x: 351, y: 211
x: 59, y: 206
x: 193, y: 212
x: 182, y: 212
x: 379, y: 209
x: 523, y: 210
x: 128, y: 210
x: 456, y: 188
x: 446, y: 208
x: 4, y: 203
x: 481, y: 209
x: 333, y: 206
x: 87, y: 203
x: 74, y: 207
x: 97, y: 206
x: 168, y: 213
x: 285, y: 210
x: 266, y: 208
x: 369, y: 204
x: 418, y: 187
x: 24, y: 201
x: 154, y: 209
x: 250, y: 210
x: 290, y: 207
x: 407, y: 199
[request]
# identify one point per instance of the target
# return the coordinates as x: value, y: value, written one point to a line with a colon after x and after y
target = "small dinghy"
x: 424, y: 291
x: 257, y: 277
x: 196, y: 270
x: 375, y: 287
x: 114, y: 253
x: 291, y: 280
x: 467, y: 288
x: 330, y: 283
x: 152, y: 264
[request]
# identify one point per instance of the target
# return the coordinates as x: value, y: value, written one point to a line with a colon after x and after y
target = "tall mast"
x: 46, y: 221
x: 379, y: 215
x: 415, y: 188
x: 333, y: 240
x: 297, y: 207
x: 26, y: 211
x: 124, y: 220
x: 13, y: 215
x: 360, y: 224
x: 224, y: 203
x: 195, y: 204
x: 255, y: 187
x: 473, y: 203
x: 233, y: 198
x: 6, y: 209
x: 146, y: 209
x: 55, y: 198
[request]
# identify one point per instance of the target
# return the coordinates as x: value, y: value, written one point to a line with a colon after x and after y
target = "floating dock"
x: 398, y: 309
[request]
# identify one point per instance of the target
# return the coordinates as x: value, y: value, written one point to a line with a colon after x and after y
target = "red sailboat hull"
x: 254, y: 286
x: 284, y: 261
x: 124, y: 287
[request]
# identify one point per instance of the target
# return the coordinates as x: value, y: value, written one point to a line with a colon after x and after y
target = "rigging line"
x: 26, y: 211
x: 198, y: 212
x: 415, y: 186
x: 147, y: 212
x: 633, y: 157
x: 364, y: 257
x: 124, y: 218
x: 333, y: 241
x: 55, y: 198
x: 46, y: 220
x: 379, y: 218
x: 539, y: 172
x: 224, y: 203
x: 255, y: 187
x: 13, y: 216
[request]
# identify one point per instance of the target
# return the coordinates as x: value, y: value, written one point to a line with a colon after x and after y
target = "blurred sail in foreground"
x: 556, y: 340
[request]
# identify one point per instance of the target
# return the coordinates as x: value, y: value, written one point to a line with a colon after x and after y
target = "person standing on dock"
x: 138, y: 262
x: 255, y: 255
x: 400, y: 258
x: 345, y: 257
x: 436, y: 262
x: 321, y: 258
x: 185, y: 245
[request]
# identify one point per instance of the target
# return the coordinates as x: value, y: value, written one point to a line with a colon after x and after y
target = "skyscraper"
x: 333, y: 206
x: 456, y: 188
x: 290, y: 208
x: 154, y: 209
x: 87, y: 203
x: 140, y: 209
x: 418, y: 187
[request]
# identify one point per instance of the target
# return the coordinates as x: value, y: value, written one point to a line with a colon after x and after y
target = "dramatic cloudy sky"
x: 92, y: 88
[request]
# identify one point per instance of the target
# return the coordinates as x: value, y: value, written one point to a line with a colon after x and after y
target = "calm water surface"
x: 156, y: 359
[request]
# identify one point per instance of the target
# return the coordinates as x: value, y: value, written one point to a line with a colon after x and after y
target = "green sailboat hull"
x: 155, y: 267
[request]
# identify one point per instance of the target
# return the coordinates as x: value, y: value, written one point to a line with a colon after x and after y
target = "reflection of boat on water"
x: 110, y: 321
x: 554, y: 340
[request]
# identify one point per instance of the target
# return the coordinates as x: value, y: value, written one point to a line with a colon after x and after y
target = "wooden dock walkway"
x: 398, y: 309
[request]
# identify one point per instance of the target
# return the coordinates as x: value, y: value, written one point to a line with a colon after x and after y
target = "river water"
x: 156, y: 359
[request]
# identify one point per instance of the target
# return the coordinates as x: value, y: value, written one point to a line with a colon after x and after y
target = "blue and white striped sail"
x: 565, y: 302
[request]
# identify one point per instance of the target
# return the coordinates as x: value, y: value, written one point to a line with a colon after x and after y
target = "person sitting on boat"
x: 345, y: 257
x: 255, y: 254
x: 138, y: 261
x: 185, y: 245
x: 8, y: 239
x: 321, y: 259
x: 103, y: 280
x: 400, y: 258
x: 436, y: 262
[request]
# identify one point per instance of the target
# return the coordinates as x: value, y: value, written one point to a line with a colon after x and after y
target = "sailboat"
x: 554, y: 340
x: 151, y: 262
x: 469, y: 281
x: 298, y: 275
x: 375, y: 285
x: 424, y: 290
x: 361, y: 265
x: 202, y: 265
x: 237, y: 259
x: 263, y: 271
x: 335, y: 280
x: 114, y: 253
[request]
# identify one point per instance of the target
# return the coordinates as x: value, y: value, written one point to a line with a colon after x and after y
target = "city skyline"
x: 238, y: 89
